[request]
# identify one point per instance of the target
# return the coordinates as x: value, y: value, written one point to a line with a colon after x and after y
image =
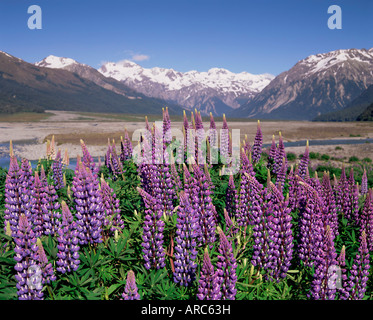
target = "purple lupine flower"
x: 157, y: 146
x: 330, y: 208
x: 280, y: 154
x: 192, y: 189
x: 243, y: 203
x: 12, y: 192
x: 272, y: 154
x: 281, y: 175
x: 112, y: 218
x: 226, y: 268
x: 57, y: 174
x: 28, y: 276
x: 231, y: 197
x: 176, y: 181
x: 185, y: 240
x: 350, y: 205
x: 200, y: 141
x: 364, y: 183
x: 18, y: 194
x: 213, y: 135
x: 208, y: 284
x: 108, y: 153
x: 145, y: 163
x: 294, y: 188
x: 68, y: 247
x: 156, y: 176
x: 258, y: 142
x: 341, y: 288
x: 66, y: 160
x: 260, y: 209
x: 246, y: 145
x: 50, y: 208
x: 88, y: 204
x: 185, y: 133
x: 153, y: 252
x: 167, y: 136
x: 26, y: 178
x: 231, y: 229
x: 325, y: 268
x: 366, y: 219
x: 130, y: 290
x: 39, y: 195
x: 166, y: 192
x: 115, y: 165
x: 224, y: 140
x: 303, y: 165
x: 310, y: 224
x: 280, y: 238
x: 126, y: 147
x: 207, y: 218
x: 358, y: 279
x: 46, y: 268
x: 87, y: 158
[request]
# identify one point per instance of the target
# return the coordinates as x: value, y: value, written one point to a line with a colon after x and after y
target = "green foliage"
x: 103, y: 268
x: 314, y: 155
x: 353, y: 159
x: 291, y: 156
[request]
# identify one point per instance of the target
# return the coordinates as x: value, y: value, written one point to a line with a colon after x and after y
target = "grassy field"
x: 24, y: 117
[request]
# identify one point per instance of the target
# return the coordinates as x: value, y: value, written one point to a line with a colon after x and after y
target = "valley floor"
x: 29, y: 137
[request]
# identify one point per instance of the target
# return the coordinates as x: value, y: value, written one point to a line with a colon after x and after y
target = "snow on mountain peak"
x: 322, y: 61
x: 55, y: 62
x: 175, y: 80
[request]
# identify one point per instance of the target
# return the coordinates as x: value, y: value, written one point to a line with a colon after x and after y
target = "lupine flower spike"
x: 130, y: 290
x: 209, y: 286
x: 257, y: 147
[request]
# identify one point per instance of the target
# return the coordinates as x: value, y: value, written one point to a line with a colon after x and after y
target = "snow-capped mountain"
x: 57, y: 62
x: 87, y: 72
x: 217, y: 90
x: 315, y: 85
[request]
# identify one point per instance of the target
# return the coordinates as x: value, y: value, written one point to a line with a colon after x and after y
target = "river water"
x: 4, y: 157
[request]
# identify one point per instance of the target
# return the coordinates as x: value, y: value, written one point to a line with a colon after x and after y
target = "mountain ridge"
x: 27, y: 87
x: 217, y: 90
x: 315, y: 85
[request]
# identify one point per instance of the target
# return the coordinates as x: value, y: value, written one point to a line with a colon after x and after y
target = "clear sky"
x: 254, y: 36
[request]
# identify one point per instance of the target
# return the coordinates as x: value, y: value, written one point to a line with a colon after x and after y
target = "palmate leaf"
x: 8, y: 293
x: 166, y: 290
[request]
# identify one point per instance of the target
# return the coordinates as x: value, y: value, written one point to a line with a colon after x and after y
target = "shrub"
x: 314, y: 155
x: 291, y: 156
x: 353, y: 159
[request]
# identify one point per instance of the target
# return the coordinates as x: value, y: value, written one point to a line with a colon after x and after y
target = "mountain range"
x: 28, y: 87
x: 316, y: 85
x: 319, y: 85
x: 217, y: 90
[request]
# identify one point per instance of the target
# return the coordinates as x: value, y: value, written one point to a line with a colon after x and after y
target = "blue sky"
x: 254, y: 36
